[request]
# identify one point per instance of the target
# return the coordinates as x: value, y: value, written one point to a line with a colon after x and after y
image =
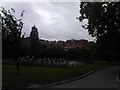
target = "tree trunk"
x: 17, y: 66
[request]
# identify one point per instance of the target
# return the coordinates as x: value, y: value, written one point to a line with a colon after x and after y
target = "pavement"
x: 105, y: 78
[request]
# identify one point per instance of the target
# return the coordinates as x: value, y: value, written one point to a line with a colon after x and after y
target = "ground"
x: 42, y: 75
x: 105, y: 78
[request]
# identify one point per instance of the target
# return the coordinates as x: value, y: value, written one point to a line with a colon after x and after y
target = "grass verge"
x: 42, y: 75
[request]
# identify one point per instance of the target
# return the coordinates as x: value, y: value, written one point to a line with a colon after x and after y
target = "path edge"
x: 68, y: 80
x: 118, y: 80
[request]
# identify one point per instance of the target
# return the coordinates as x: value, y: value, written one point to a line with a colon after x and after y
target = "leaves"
x: 103, y: 23
x: 12, y: 9
x: 11, y: 31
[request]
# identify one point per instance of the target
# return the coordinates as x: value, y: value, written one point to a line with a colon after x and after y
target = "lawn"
x: 42, y: 75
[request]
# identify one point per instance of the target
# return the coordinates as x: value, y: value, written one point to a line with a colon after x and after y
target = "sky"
x: 54, y: 20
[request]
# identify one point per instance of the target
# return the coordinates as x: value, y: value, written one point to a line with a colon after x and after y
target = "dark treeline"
x: 34, y: 48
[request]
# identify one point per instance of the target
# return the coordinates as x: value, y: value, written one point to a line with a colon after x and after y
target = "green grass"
x: 42, y: 75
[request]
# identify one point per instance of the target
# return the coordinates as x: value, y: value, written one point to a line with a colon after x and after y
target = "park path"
x: 105, y: 78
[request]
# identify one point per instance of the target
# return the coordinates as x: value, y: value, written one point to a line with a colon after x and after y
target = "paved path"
x: 105, y: 78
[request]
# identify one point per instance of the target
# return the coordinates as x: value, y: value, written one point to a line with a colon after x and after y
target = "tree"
x: 104, y: 24
x: 34, y: 40
x: 34, y: 33
x: 11, y: 33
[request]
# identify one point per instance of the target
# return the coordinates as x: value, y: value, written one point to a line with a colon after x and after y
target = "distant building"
x: 65, y: 44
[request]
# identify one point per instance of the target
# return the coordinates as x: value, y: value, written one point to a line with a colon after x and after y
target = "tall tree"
x: 34, y: 36
x: 104, y: 24
x: 11, y: 33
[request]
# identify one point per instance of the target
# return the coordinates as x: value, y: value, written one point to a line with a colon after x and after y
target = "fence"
x: 45, y: 62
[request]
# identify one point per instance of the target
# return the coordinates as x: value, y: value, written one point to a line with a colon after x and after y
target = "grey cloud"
x: 54, y: 20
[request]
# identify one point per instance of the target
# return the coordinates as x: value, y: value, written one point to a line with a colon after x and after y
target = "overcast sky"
x: 54, y: 20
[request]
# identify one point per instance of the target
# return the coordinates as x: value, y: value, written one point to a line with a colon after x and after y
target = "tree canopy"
x: 11, y: 31
x: 34, y: 33
x: 34, y: 41
x: 104, y: 24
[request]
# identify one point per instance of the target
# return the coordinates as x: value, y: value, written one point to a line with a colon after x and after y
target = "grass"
x: 42, y: 75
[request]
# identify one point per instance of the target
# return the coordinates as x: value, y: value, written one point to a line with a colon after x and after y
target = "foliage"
x: 11, y: 32
x: 34, y: 33
x: 104, y: 24
x: 34, y: 40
